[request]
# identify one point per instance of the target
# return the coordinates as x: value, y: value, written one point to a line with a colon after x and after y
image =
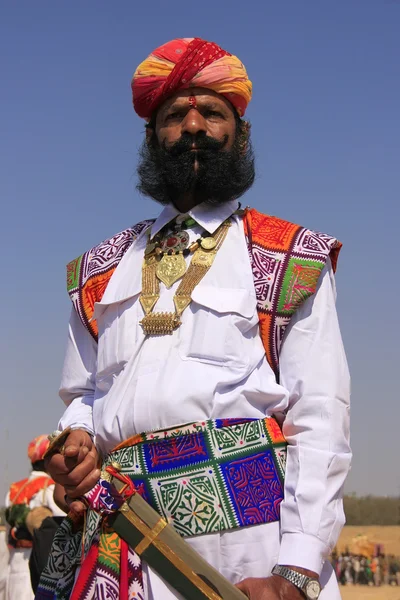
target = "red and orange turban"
x: 37, y: 448
x: 185, y: 63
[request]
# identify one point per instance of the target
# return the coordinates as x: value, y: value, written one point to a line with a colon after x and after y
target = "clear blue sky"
x: 325, y: 117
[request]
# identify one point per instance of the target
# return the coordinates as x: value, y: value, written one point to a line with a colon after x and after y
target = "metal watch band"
x: 298, y: 579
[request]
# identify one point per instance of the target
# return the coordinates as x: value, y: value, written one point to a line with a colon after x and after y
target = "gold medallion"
x: 208, y: 243
x: 171, y: 268
x: 181, y: 302
x: 203, y: 259
x: 148, y: 302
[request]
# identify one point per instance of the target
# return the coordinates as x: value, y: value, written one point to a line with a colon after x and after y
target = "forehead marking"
x: 192, y: 102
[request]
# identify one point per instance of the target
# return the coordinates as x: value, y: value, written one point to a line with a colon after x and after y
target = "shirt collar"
x: 206, y: 215
x: 35, y: 474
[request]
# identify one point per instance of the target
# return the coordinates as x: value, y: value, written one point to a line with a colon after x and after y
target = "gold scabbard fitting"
x: 150, y: 536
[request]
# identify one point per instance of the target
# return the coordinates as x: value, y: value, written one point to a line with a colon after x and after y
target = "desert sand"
x: 370, y: 593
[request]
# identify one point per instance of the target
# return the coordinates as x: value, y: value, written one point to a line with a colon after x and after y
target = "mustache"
x: 203, y: 143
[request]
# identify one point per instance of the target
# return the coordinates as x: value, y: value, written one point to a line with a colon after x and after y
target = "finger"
x: 242, y: 586
x: 75, y: 441
x: 84, y: 486
x: 78, y: 474
x: 56, y: 466
x: 75, y: 459
x: 77, y: 507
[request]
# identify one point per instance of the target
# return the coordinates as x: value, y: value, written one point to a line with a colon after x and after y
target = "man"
x: 23, y: 499
x: 222, y: 320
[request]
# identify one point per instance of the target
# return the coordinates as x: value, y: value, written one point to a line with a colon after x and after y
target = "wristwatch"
x: 310, y: 587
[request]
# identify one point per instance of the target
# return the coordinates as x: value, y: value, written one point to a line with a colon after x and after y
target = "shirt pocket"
x: 220, y: 321
x: 117, y: 324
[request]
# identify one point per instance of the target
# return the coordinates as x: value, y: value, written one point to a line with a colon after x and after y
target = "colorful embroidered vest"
x: 22, y: 492
x: 286, y: 261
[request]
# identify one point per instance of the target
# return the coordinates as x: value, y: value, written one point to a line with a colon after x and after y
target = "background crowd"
x: 381, y: 569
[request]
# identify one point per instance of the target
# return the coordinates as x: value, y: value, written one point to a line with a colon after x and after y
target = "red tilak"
x: 192, y: 102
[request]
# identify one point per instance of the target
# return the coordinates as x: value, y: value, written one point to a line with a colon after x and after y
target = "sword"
x: 157, y: 542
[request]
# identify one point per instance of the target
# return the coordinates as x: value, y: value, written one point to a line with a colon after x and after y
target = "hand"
x: 76, y: 469
x: 269, y: 588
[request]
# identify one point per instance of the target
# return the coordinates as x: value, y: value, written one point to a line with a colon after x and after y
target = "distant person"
x: 356, y: 569
x: 210, y: 323
x: 376, y: 571
x: 25, y: 496
x: 4, y: 560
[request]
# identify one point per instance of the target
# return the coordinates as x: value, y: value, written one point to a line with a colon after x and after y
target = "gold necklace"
x: 163, y: 323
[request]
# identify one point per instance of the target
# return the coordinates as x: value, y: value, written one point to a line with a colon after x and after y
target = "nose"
x: 193, y: 122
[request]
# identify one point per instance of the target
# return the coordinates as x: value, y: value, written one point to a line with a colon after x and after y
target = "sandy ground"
x: 359, y: 592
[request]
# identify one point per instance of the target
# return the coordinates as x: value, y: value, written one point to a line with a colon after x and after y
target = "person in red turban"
x: 28, y: 502
x: 193, y: 95
x: 173, y: 378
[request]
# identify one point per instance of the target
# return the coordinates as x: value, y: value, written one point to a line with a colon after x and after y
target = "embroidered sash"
x: 202, y: 477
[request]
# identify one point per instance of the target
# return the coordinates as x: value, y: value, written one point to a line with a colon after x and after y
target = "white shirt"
x: 214, y: 366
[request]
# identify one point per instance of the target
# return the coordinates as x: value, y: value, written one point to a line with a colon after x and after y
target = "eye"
x: 213, y: 113
x: 172, y: 116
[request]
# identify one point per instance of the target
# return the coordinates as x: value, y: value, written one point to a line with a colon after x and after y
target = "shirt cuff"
x: 78, y: 415
x: 64, y: 424
x: 302, y: 550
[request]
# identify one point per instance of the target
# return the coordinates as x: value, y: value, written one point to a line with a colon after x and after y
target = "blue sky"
x: 326, y: 131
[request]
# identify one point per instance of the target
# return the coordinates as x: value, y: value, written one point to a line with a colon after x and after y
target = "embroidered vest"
x: 22, y: 492
x: 286, y: 261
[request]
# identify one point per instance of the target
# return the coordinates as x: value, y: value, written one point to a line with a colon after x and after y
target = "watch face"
x: 313, y: 590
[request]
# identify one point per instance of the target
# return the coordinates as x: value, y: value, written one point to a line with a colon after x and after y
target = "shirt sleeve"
x: 314, y: 369
x: 78, y: 377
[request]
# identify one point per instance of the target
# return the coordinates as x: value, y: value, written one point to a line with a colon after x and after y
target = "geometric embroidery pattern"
x: 203, y: 477
x: 209, y: 476
x: 89, y: 274
x: 254, y: 487
x: 286, y: 262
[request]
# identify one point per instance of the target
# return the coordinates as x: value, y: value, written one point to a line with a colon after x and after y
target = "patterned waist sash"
x: 208, y: 476
x: 202, y: 477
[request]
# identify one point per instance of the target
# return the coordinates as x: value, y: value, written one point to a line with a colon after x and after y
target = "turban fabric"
x: 37, y: 448
x: 185, y: 63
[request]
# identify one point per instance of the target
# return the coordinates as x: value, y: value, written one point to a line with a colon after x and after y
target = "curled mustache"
x: 205, y: 144
x: 167, y: 173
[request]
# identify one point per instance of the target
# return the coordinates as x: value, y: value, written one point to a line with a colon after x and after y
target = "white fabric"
x: 4, y: 560
x: 214, y: 366
x: 19, y: 580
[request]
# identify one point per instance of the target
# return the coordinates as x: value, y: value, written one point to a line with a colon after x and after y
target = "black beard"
x: 168, y: 174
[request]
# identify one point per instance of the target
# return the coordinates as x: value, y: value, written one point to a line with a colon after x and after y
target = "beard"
x: 166, y: 174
